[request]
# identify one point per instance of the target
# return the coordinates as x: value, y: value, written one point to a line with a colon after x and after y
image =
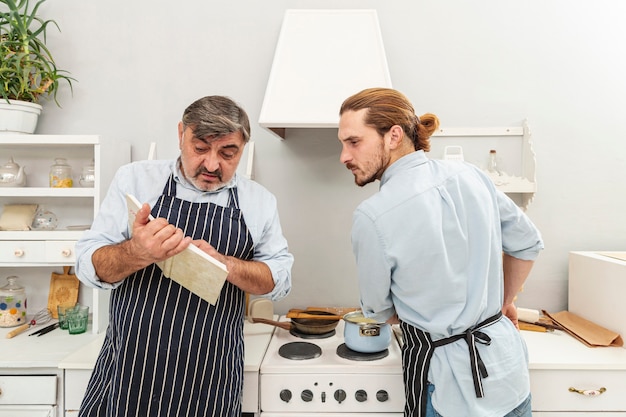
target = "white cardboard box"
x: 597, y: 288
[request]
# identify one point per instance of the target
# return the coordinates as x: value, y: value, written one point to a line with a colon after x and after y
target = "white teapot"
x: 12, y: 175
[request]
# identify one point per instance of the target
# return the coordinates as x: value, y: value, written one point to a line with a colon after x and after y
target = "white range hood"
x: 322, y: 57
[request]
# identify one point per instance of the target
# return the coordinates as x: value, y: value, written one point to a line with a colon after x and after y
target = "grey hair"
x: 216, y: 116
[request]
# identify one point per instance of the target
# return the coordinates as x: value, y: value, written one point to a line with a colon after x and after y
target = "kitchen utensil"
x: 295, y: 313
x: 63, y: 290
x: 339, y: 311
x: 365, y: 335
x: 41, y: 317
x: 305, y: 326
x: 48, y: 329
x: 531, y: 327
x: 45, y: 330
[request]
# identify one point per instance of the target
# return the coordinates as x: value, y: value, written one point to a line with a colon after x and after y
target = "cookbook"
x: 194, y: 269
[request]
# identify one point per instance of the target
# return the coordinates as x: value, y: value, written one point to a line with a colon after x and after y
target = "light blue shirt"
x: 146, y: 180
x: 429, y: 246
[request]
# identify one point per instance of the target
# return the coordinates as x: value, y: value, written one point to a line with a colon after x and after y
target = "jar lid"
x: 12, y: 287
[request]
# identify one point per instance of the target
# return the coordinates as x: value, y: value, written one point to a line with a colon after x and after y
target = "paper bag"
x: 589, y: 333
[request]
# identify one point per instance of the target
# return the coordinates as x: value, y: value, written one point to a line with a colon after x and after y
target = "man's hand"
x: 155, y: 240
x: 152, y: 241
x: 253, y: 277
x: 510, y: 311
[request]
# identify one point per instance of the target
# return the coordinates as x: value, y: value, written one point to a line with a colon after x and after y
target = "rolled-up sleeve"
x: 271, y: 248
x: 520, y: 237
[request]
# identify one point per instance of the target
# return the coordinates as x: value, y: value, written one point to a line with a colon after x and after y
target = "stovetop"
x: 329, y: 361
x: 328, y: 384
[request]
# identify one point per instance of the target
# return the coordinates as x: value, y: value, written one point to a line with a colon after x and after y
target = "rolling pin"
x: 531, y: 327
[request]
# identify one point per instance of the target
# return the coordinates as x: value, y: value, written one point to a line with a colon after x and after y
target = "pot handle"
x: 369, y: 330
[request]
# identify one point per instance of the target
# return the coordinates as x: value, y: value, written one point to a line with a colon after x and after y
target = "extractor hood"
x: 322, y: 57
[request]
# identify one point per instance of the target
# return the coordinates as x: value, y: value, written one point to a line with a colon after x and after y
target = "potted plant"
x: 27, y: 70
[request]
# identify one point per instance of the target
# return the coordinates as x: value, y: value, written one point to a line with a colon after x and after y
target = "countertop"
x: 559, y: 350
x: 47, y: 351
x: 59, y: 349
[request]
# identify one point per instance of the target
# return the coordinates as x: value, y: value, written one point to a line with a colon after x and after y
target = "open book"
x: 194, y: 269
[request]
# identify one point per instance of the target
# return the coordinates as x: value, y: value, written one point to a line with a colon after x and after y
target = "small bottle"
x: 12, y: 304
x: 61, y: 174
x: 492, y: 165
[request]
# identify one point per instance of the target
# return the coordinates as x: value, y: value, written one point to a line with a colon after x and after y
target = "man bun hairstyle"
x: 388, y: 107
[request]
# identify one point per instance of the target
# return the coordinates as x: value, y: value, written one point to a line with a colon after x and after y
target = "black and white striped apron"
x: 167, y: 352
x: 417, y: 352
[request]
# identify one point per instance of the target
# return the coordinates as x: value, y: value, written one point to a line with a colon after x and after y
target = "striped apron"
x: 417, y: 351
x: 167, y: 352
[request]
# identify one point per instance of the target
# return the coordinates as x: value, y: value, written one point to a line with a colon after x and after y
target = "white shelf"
x: 74, y: 206
x: 515, y: 153
x: 47, y: 192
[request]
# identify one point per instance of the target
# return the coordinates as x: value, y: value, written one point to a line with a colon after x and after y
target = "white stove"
x: 323, y: 383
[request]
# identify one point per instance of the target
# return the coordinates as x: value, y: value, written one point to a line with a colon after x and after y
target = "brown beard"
x: 373, y: 169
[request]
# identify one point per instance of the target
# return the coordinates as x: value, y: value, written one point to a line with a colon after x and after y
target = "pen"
x: 45, y: 329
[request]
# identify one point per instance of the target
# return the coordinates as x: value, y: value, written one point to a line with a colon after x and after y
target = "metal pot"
x: 303, y: 325
x: 365, y: 335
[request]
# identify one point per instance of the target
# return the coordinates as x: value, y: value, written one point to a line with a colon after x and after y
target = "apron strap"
x: 418, y: 350
x: 472, y: 336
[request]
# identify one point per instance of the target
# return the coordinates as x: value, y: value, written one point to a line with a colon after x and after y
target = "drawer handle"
x: 589, y: 392
x: 18, y: 253
x: 66, y: 252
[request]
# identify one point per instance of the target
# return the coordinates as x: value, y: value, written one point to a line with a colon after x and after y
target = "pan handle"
x: 282, y: 324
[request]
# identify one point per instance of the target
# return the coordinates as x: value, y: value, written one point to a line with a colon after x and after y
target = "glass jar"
x: 44, y: 219
x: 12, y: 304
x: 61, y: 174
x: 88, y: 176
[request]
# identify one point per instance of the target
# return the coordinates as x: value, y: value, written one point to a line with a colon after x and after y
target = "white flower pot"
x: 18, y: 116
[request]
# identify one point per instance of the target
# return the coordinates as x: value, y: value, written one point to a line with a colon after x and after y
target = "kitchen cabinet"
x: 75, y: 207
x: 514, y: 150
x: 561, y: 368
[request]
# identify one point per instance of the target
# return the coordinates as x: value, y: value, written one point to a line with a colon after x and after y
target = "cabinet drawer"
x: 38, y: 251
x: 27, y: 411
x: 28, y: 389
x: 61, y: 251
x: 22, y: 251
x: 550, y: 390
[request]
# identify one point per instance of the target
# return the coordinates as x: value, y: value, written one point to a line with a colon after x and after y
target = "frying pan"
x: 303, y: 325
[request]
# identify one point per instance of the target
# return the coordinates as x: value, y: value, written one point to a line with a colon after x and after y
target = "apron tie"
x: 472, y: 336
x: 417, y: 352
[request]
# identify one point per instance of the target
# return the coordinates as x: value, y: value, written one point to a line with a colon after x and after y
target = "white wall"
x: 475, y: 64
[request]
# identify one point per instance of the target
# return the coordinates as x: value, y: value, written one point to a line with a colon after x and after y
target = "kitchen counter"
x: 47, y: 351
x: 559, y: 350
x: 72, y: 358
x: 256, y: 337
x: 567, y: 377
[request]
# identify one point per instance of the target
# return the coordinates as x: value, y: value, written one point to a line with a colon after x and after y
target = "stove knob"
x: 361, y: 395
x: 382, y: 396
x: 307, y: 396
x: 340, y: 395
x: 285, y: 395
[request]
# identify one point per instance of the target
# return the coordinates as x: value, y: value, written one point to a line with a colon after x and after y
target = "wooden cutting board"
x: 63, y: 290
